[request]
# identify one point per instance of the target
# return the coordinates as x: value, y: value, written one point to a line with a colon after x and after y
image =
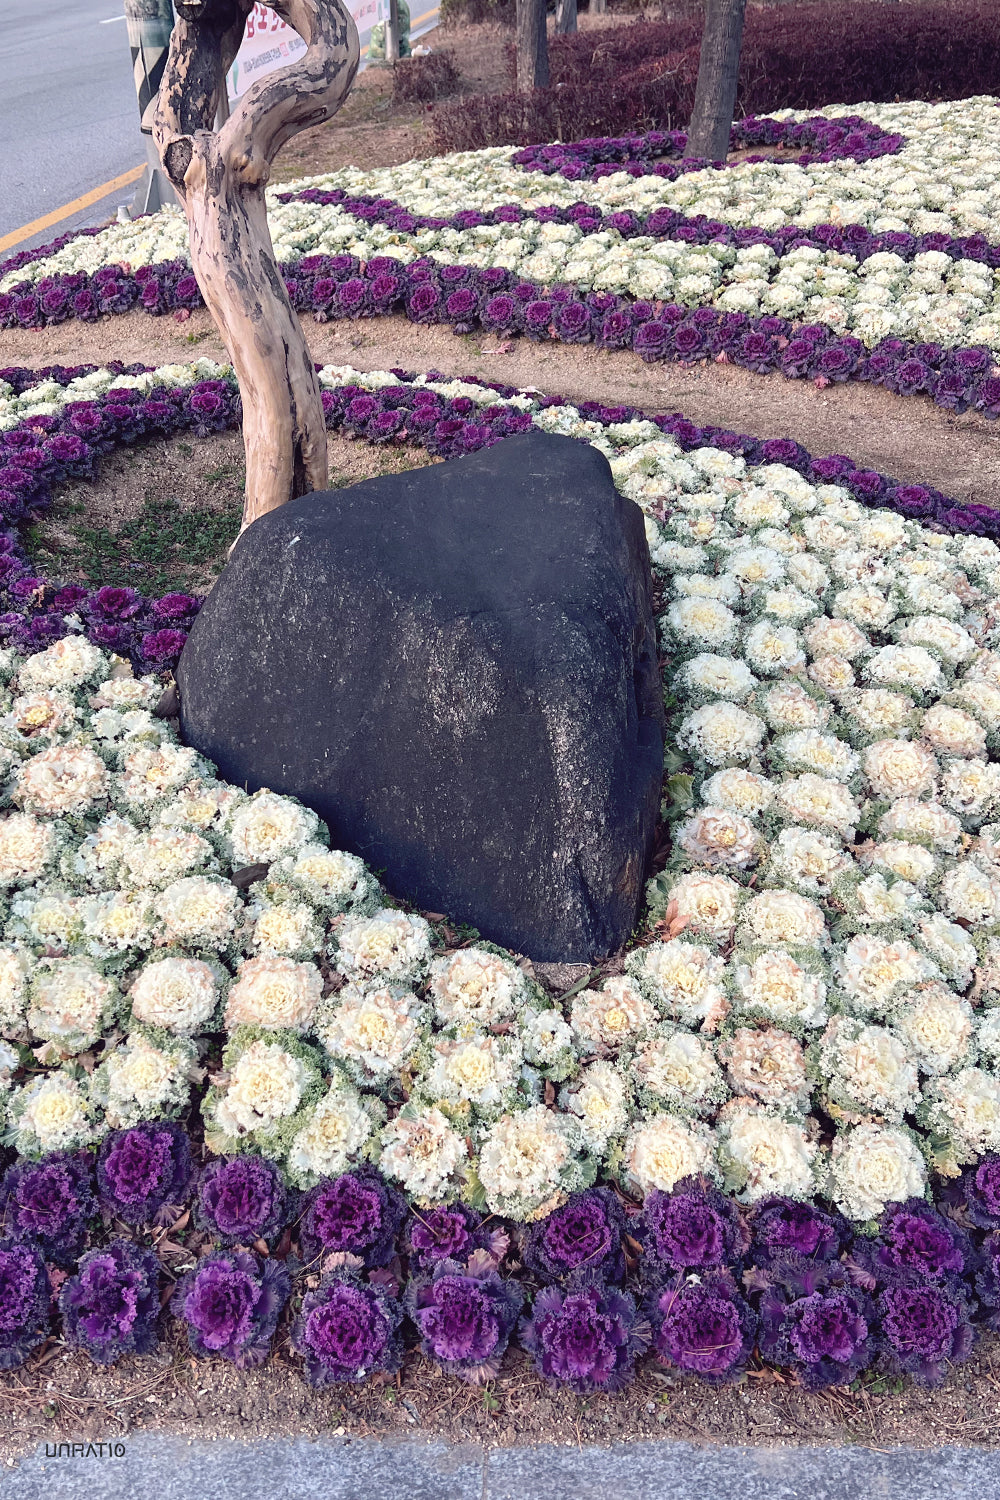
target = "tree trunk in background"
x: 565, y: 17
x: 718, y: 70
x: 219, y: 177
x: 532, y: 46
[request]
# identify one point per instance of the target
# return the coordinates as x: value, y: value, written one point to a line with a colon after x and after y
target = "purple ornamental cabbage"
x: 347, y: 1330
x: 49, y: 1203
x: 355, y: 1214
x: 988, y: 1281
x: 449, y: 1231
x: 925, y: 1327
x: 704, y: 1327
x: 242, y: 1199
x: 586, y: 1336
x: 110, y: 1307
x: 692, y: 1228
x: 24, y: 1302
x: 784, y: 1226
x: 913, y: 1236
x: 142, y: 1169
x: 815, y: 1322
x: 585, y: 1234
x: 466, y: 1315
x: 978, y: 1193
x: 231, y: 1305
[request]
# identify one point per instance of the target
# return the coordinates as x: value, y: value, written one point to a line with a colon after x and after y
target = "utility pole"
x: 392, y: 32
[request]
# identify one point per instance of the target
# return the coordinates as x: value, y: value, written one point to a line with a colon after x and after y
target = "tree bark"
x: 532, y: 46
x: 718, y: 72
x: 565, y: 17
x: 220, y: 177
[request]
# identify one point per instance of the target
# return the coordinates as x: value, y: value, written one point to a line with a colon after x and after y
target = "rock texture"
x: 456, y: 668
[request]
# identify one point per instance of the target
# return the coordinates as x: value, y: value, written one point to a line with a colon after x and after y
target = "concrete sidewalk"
x: 178, y: 1468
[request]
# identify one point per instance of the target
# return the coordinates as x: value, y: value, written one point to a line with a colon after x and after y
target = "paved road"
x: 69, y: 120
x: 177, y: 1468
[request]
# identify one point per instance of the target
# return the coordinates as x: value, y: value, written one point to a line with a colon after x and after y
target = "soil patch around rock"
x: 162, y: 515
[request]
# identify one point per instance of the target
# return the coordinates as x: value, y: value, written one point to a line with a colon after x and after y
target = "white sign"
x: 269, y: 42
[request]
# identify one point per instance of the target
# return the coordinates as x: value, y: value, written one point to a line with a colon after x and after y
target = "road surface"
x: 69, y: 119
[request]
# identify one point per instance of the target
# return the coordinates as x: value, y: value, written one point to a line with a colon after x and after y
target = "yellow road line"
x: 94, y: 196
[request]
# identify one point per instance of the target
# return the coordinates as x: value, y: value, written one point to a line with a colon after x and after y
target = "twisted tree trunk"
x: 220, y: 177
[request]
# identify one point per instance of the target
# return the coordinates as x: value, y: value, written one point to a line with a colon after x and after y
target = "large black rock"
x: 456, y: 668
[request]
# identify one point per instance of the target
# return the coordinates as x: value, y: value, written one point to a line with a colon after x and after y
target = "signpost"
x: 149, y: 24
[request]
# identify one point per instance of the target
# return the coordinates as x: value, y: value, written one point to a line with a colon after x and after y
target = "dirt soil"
x: 62, y: 1397
x: 907, y: 437
x: 163, y: 514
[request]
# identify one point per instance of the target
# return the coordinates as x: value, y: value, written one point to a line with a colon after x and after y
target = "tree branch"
x: 305, y: 93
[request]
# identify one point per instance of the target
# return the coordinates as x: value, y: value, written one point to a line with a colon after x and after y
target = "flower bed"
x: 880, y: 268
x: 57, y: 424
x: 770, y: 1132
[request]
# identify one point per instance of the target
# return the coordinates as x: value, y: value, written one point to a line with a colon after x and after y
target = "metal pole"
x: 392, y: 32
x: 149, y: 23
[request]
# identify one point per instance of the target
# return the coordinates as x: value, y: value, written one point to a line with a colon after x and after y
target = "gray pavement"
x: 178, y: 1468
x: 69, y: 120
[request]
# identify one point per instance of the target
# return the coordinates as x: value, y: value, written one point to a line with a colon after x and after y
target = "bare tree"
x: 220, y: 177
x: 532, y: 46
x: 565, y: 17
x: 718, y: 72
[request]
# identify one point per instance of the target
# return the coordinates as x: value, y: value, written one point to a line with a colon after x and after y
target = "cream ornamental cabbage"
x: 198, y: 910
x: 265, y: 1086
x: 678, y: 1070
x: 608, y: 1017
x: 269, y: 826
x: 423, y: 1154
x: 819, y: 802
x: 179, y: 994
x: 684, y: 980
x: 936, y: 1026
x: 141, y: 1080
x: 779, y: 918
x: 476, y: 1071
x: 707, y: 904
x: 476, y: 987
x: 662, y: 1150
x: 777, y: 987
x: 373, y: 1030
x: 66, y: 664
x: 762, y: 1153
x: 63, y: 781
x: 719, y: 839
x: 26, y: 848
x: 722, y: 734
x: 741, y: 792
x: 873, y: 1165
x: 337, y: 1131
x: 389, y: 944
x: 806, y: 858
x: 767, y: 1064
x: 899, y: 768
x: 52, y: 1113
x: 274, y: 992
x: 523, y: 1160
x: 598, y: 1099
x: 71, y: 1001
